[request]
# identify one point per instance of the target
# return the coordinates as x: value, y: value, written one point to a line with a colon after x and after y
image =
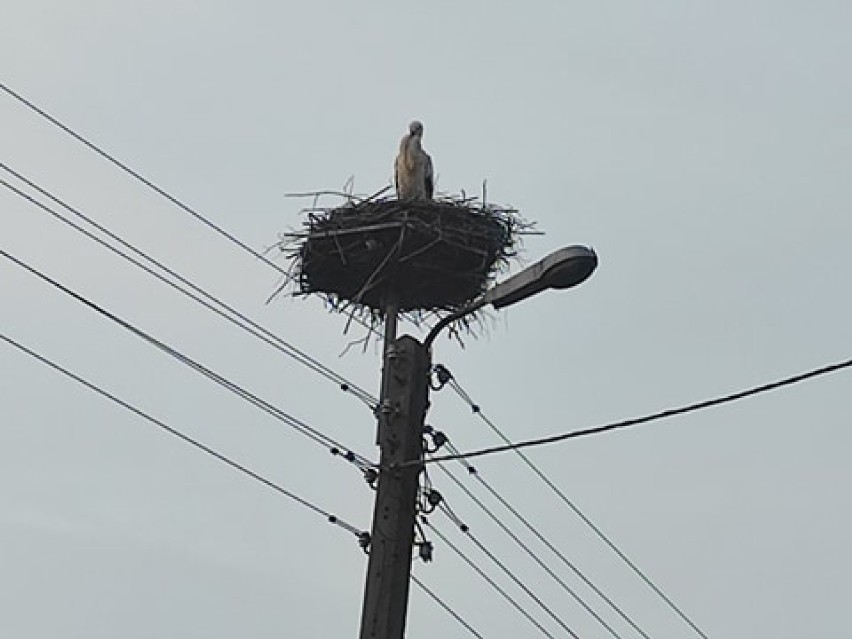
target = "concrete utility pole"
x: 402, y: 410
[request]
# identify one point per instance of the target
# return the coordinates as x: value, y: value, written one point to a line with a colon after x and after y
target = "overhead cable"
x: 672, y: 412
x: 115, y: 161
x: 623, y: 424
x: 308, y: 431
x: 540, y: 562
x: 490, y: 581
x: 445, y: 606
x: 157, y: 189
x: 664, y: 414
x: 207, y: 300
x: 505, y: 569
x: 334, y: 519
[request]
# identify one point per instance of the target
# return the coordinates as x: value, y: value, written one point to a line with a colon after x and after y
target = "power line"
x: 501, y: 591
x: 160, y: 191
x: 502, y: 566
x: 111, y: 158
x: 672, y: 412
x: 298, y: 425
x: 446, y: 607
x: 334, y: 519
x: 535, y: 557
x: 600, y: 534
x: 454, y: 384
x: 207, y: 300
x: 331, y: 518
x: 664, y: 414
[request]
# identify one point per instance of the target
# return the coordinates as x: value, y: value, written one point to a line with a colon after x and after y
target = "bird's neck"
x: 411, y: 148
x: 414, y: 143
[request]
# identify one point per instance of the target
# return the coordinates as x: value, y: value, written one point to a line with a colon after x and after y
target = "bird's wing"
x: 429, y: 176
x: 396, y: 174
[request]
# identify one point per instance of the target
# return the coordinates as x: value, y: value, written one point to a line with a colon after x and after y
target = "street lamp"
x: 401, y: 414
x: 564, y: 268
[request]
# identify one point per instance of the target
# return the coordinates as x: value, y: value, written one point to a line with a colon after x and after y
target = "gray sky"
x: 702, y: 148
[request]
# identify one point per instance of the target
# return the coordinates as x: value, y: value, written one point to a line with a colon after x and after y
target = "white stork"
x: 413, y: 174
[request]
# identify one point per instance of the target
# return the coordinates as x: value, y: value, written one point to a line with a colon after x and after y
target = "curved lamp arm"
x: 564, y: 268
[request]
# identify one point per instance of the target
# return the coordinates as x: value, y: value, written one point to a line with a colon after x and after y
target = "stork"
x: 413, y: 174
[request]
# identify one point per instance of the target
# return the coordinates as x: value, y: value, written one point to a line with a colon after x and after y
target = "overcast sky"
x: 702, y: 148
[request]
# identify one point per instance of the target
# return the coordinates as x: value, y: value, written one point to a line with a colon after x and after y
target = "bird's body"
x: 413, y: 174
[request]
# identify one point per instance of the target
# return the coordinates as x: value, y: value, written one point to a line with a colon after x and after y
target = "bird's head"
x: 416, y: 128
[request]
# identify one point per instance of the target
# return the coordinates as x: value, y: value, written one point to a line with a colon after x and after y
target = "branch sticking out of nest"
x: 431, y: 257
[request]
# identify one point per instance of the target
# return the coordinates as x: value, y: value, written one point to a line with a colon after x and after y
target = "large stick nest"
x: 427, y: 256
